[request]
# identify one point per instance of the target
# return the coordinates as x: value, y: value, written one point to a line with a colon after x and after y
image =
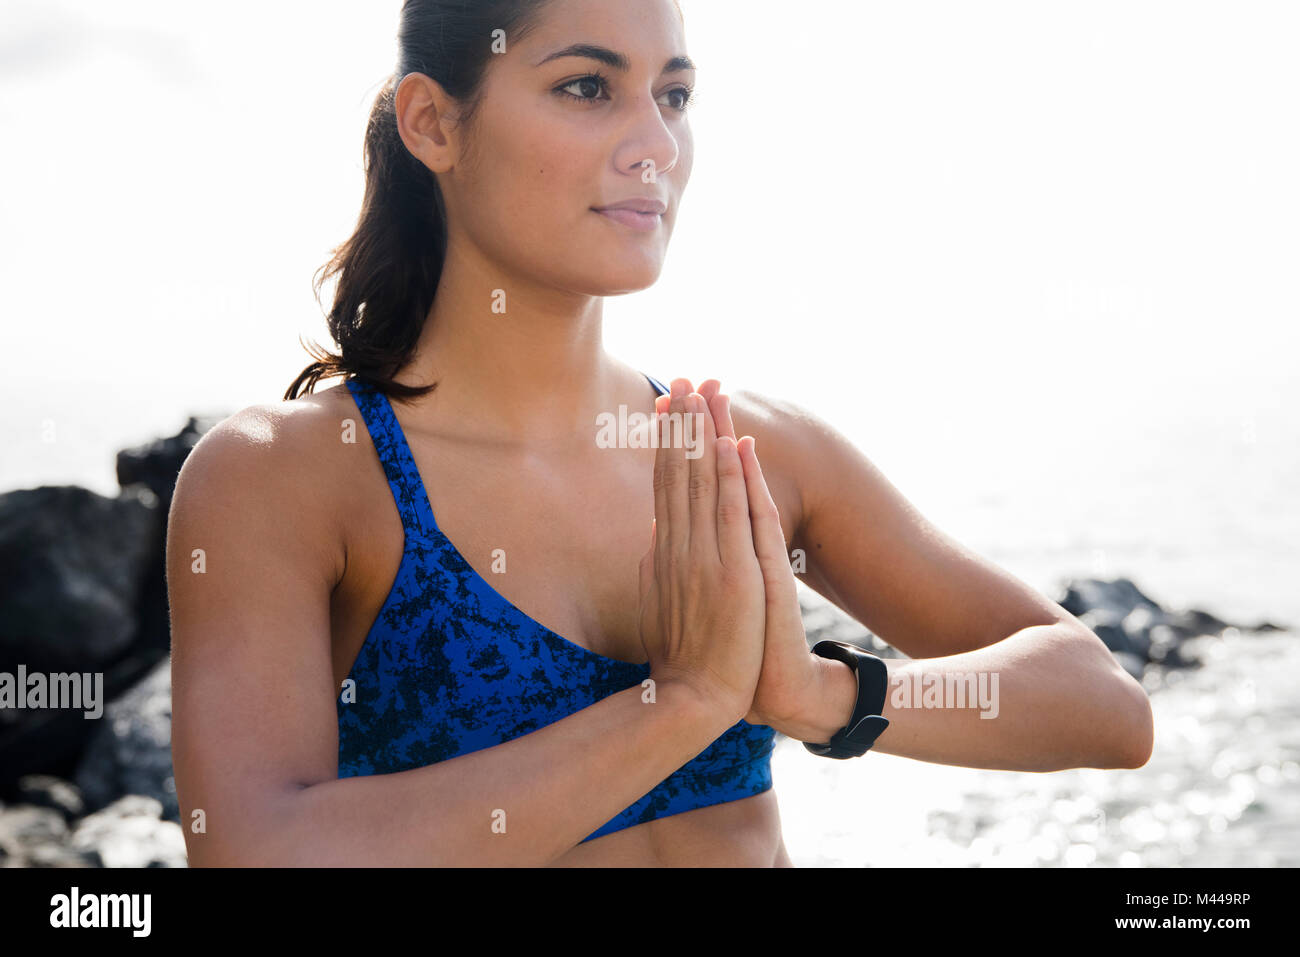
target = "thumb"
x: 769, y: 538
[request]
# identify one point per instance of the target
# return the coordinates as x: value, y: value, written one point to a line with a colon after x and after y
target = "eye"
x: 688, y: 97
x: 587, y: 82
x: 597, y: 82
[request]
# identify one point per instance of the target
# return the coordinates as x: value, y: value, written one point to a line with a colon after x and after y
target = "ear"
x: 426, y: 121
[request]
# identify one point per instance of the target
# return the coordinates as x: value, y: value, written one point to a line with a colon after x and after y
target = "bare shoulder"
x: 292, y: 443
x: 285, y: 463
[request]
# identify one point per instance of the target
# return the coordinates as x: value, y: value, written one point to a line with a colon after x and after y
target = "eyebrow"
x: 613, y: 59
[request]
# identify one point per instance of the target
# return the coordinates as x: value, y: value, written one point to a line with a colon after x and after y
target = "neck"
x: 523, y: 362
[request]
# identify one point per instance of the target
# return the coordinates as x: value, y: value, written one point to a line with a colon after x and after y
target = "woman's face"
x: 559, y: 135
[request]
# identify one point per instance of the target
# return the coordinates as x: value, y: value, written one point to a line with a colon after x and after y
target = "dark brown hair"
x: 388, y: 270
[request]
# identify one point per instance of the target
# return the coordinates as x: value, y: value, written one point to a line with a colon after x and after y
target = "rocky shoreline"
x: 82, y: 590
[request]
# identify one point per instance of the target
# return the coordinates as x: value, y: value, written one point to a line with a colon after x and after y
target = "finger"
x: 719, y: 407
x: 769, y: 538
x: 735, y: 540
x: 703, y: 464
x: 660, y: 488
x: 660, y: 477
x: 726, y: 416
x: 675, y: 477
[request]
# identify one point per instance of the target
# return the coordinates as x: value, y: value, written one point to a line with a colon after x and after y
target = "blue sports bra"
x: 450, y: 666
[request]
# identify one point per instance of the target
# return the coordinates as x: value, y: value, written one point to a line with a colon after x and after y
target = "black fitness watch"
x: 866, y: 723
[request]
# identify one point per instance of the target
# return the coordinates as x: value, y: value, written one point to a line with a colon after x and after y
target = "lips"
x: 632, y: 219
x: 641, y: 215
x: 649, y: 206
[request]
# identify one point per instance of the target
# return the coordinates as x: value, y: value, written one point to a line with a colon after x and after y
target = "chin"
x: 620, y: 282
x: 628, y: 270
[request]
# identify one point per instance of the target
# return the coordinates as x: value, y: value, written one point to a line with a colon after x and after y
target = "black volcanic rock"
x: 1135, y: 628
x: 72, y: 565
x: 130, y: 752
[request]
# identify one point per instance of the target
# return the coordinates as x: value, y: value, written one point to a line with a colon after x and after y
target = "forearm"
x: 1054, y: 696
x: 523, y: 803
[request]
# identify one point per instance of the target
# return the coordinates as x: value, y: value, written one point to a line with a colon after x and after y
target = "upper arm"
x: 252, y: 559
x: 872, y: 553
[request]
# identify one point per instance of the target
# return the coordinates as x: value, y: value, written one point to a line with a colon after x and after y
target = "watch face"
x: 837, y: 650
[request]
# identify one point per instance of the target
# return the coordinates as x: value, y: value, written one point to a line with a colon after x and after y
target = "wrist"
x: 703, y: 703
x: 867, y: 721
x: 829, y: 708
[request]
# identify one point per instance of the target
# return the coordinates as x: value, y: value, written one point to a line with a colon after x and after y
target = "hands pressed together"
x: 719, y: 611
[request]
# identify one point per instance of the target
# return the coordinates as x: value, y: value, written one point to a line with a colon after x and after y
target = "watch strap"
x: 866, y: 723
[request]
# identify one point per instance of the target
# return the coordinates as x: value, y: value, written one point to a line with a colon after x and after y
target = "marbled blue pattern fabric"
x: 450, y: 666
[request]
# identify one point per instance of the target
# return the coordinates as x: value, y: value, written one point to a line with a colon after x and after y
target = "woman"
x: 350, y: 689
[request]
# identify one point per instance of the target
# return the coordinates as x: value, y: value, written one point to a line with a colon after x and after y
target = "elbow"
x: 268, y: 854
x: 204, y: 850
x: 1139, y: 730
x: 246, y: 836
x: 1131, y: 726
x: 1124, y: 718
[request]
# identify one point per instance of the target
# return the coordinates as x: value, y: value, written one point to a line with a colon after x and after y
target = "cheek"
x: 534, y: 182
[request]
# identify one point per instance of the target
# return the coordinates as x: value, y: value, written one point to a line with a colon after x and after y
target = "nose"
x: 647, y: 143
